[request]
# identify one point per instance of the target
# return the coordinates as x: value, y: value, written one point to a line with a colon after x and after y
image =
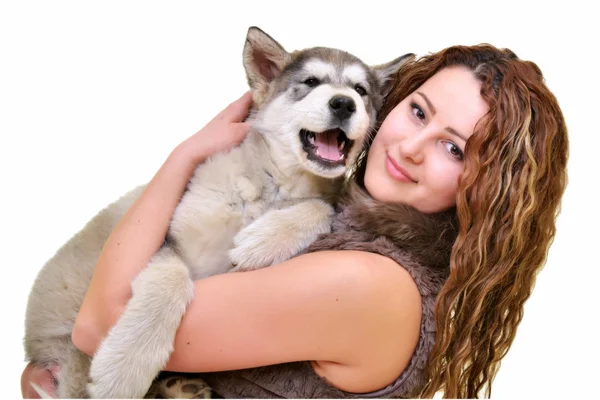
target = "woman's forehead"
x: 453, y: 94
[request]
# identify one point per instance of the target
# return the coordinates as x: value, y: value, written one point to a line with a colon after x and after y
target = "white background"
x: 94, y: 95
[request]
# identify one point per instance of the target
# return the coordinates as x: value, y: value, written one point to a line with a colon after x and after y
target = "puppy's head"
x: 314, y: 106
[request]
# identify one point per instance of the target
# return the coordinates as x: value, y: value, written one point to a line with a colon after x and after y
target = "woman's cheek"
x: 393, y: 129
x: 453, y: 185
x: 446, y: 181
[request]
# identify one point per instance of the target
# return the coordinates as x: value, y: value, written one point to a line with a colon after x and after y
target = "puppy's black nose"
x: 342, y: 106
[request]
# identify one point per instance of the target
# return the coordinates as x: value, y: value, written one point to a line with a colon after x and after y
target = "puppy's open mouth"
x: 329, y: 148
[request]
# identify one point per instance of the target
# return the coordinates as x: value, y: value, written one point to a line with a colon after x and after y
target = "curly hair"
x: 507, y: 202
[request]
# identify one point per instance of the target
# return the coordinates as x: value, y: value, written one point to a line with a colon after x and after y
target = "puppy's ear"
x: 386, y: 72
x: 264, y: 60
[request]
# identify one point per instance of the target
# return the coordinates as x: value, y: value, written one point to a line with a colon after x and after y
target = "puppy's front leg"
x: 279, y: 235
x: 138, y: 347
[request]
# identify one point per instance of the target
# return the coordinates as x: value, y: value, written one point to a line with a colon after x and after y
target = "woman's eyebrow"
x: 455, y: 133
x: 431, y: 107
x: 433, y: 111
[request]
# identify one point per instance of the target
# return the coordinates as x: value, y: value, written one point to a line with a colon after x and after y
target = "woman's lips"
x: 397, y: 172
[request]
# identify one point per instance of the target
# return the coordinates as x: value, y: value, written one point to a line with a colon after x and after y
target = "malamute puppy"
x: 256, y: 205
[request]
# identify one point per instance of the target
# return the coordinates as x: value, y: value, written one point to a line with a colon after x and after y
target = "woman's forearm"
x: 137, y: 237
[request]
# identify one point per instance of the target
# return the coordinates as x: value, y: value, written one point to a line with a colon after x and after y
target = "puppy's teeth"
x: 311, y: 138
x: 341, y: 157
x: 342, y: 145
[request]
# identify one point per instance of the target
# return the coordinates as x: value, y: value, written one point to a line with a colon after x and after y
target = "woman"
x: 469, y: 130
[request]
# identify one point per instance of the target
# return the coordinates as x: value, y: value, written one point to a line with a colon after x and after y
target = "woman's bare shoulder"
x: 392, y: 326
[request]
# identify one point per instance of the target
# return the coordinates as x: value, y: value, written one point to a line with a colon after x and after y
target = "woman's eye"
x: 417, y: 111
x: 311, y: 82
x: 360, y: 90
x: 454, y: 150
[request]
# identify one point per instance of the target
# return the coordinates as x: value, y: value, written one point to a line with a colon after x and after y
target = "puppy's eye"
x: 311, y: 82
x: 360, y: 90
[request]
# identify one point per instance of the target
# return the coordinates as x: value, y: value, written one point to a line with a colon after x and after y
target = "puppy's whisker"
x: 370, y: 134
x: 302, y: 111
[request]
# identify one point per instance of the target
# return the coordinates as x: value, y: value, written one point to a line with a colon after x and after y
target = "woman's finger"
x: 238, y: 110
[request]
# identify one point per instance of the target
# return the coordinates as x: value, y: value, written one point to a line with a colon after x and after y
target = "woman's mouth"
x: 397, y: 172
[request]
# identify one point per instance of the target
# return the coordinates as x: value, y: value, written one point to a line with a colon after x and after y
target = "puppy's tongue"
x: 327, y: 145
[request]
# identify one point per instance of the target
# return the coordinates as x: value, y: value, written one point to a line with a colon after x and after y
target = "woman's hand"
x: 223, y: 132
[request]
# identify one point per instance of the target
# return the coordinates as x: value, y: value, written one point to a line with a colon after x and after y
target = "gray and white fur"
x: 253, y: 206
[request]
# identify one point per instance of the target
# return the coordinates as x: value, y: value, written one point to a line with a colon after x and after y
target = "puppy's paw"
x: 181, y: 387
x: 279, y: 235
x: 251, y: 251
x: 138, y: 347
x: 112, y: 377
x: 125, y: 364
x: 261, y: 244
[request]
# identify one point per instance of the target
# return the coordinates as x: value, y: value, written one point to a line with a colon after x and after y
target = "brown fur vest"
x: 418, y: 242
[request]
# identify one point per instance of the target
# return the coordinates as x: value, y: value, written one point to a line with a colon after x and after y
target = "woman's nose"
x: 411, y: 148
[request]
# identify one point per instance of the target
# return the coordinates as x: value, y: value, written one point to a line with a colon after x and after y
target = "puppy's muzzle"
x: 342, y: 107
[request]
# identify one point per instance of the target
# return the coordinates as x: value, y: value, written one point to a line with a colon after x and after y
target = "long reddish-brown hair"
x: 508, y: 199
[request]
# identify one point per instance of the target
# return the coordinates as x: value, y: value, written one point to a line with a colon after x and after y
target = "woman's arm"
x: 356, y: 314
x: 142, y: 230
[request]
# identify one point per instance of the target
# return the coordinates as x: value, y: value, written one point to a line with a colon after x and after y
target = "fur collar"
x: 428, y: 238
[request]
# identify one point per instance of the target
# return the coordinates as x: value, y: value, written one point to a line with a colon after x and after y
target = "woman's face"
x: 417, y: 155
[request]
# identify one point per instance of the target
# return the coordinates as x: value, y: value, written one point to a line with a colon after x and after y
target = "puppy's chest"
x: 254, y: 199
